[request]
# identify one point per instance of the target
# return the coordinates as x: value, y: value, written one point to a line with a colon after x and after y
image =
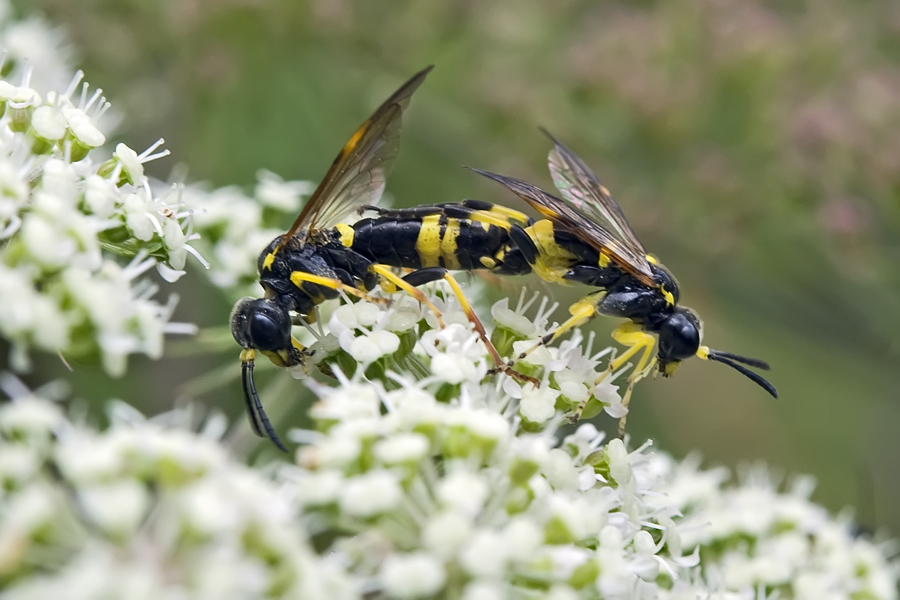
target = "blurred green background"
x: 753, y: 144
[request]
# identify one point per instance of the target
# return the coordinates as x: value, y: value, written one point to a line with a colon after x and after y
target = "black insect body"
x: 319, y: 257
x: 585, y: 238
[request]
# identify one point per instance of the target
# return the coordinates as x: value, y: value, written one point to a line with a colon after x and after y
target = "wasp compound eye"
x: 261, y: 324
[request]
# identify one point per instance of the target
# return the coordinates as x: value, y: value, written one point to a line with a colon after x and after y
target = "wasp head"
x: 679, y: 338
x: 261, y: 324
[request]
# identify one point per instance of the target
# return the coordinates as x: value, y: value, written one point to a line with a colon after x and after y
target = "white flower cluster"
x: 407, y: 488
x: 434, y: 482
x: 32, y: 42
x: 235, y: 227
x: 146, y: 509
x: 76, y: 234
x: 754, y: 537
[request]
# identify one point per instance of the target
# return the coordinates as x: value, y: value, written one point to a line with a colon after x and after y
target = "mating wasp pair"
x: 583, y: 238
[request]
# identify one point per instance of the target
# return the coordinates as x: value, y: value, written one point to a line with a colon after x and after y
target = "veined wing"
x: 589, y: 198
x: 358, y: 174
x: 568, y: 218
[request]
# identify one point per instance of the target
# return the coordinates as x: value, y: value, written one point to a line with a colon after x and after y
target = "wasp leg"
x: 636, y: 340
x: 499, y: 363
x: 429, y: 274
x: 299, y: 277
x: 581, y: 311
x: 404, y: 284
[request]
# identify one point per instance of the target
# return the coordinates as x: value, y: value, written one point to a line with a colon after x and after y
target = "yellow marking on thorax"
x: 428, y: 243
x: 670, y: 299
x: 487, y: 218
x: 448, y: 244
x: 512, y: 215
x: 651, y: 259
x: 553, y: 261
x: 603, y: 261
x: 347, y: 234
x: 267, y: 262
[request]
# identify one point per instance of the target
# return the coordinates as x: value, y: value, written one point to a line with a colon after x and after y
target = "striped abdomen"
x: 429, y: 241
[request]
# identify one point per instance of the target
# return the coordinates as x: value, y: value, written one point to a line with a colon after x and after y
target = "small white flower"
x: 463, y: 492
x: 175, y: 243
x: 401, y: 448
x: 141, y: 218
x: 445, y: 533
x: 619, y: 463
x: 455, y: 368
x: 560, y: 471
x: 412, y: 575
x: 285, y: 196
x: 485, y: 555
x: 118, y: 507
x: 49, y: 123
x: 572, y: 386
x: 538, y: 404
x: 83, y: 128
x: 370, y: 494
x: 608, y: 394
x: 29, y: 416
x: 522, y: 538
x: 131, y: 164
x: 369, y: 348
x: 100, y: 195
x: 318, y: 488
x: 512, y: 320
x: 540, y: 356
x: 485, y: 590
x: 356, y: 315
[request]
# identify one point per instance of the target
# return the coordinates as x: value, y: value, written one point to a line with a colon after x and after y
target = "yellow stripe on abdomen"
x: 553, y: 261
x: 428, y: 243
x: 448, y: 244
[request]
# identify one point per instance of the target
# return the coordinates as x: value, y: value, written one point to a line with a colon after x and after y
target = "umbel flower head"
x: 421, y: 477
x: 77, y: 235
x: 413, y: 490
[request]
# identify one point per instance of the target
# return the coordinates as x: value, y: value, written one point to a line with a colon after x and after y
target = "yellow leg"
x: 581, y: 311
x: 394, y: 280
x: 635, y: 340
x: 479, y: 327
x: 299, y: 277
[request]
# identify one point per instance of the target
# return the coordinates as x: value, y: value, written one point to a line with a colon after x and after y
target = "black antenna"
x: 732, y: 361
x: 750, y: 362
x: 255, y: 411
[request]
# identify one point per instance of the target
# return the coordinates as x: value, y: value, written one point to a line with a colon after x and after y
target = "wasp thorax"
x: 666, y: 280
x: 679, y: 336
x: 261, y: 324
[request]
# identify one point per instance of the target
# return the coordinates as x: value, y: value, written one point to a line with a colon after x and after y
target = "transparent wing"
x: 584, y: 192
x: 358, y: 174
x: 566, y: 217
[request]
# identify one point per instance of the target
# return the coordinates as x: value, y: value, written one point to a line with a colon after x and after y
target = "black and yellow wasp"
x: 586, y: 239
x: 320, y: 257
